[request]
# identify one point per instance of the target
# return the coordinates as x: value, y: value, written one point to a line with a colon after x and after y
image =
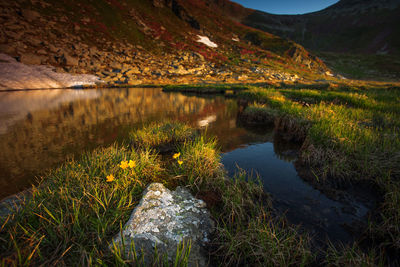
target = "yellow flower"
x: 132, y: 164
x: 124, y: 164
x: 180, y: 162
x: 110, y: 178
x: 176, y: 155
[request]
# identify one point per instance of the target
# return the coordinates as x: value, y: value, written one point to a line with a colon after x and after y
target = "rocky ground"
x: 35, y: 39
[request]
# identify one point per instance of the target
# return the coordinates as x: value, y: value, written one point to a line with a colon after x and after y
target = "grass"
x: 159, y: 135
x: 77, y: 209
x: 205, y: 88
x: 74, y: 211
x: 247, y: 231
x: 347, y: 134
x: 351, y: 135
x: 363, y: 66
x: 258, y: 114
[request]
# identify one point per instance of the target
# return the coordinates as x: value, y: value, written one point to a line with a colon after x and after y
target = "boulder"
x: 30, y: 59
x: 159, y: 3
x: 7, y: 48
x: 163, y: 219
x: 132, y: 71
x: 71, y: 61
x: 30, y: 15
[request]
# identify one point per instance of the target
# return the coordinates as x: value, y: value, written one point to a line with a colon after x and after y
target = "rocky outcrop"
x: 179, y: 11
x: 150, y: 50
x: 165, y: 218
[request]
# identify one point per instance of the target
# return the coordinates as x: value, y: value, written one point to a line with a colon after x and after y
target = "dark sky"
x: 287, y: 6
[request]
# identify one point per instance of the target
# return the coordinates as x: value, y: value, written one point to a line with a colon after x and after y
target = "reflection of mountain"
x: 53, y: 124
x: 42, y: 128
x: 17, y: 105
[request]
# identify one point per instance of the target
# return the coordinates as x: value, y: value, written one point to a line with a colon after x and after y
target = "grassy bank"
x: 350, y: 136
x: 75, y: 211
x: 207, y: 88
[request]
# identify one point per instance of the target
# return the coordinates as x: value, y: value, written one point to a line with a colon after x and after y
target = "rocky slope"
x: 149, y: 41
x: 361, y: 26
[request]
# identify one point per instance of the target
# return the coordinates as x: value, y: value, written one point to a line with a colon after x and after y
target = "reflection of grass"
x: 357, y: 66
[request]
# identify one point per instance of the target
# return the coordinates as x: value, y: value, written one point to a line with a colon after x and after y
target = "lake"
x: 40, y: 129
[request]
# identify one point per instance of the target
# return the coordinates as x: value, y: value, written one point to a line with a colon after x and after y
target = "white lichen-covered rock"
x: 165, y: 218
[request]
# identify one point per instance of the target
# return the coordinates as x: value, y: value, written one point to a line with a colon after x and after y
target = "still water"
x: 40, y: 129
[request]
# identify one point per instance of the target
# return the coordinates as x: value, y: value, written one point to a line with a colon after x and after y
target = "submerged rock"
x: 163, y: 219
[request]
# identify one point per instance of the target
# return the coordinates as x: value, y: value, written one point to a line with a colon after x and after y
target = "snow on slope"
x: 15, y: 75
x: 205, y: 40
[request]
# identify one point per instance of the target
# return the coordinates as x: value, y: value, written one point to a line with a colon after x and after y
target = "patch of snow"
x: 205, y: 40
x: 236, y: 39
x: 383, y: 50
x: 15, y: 75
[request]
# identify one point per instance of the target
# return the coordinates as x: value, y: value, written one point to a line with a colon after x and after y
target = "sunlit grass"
x: 351, y: 134
x: 74, y: 213
x: 198, y: 163
x: 162, y: 134
x: 77, y: 209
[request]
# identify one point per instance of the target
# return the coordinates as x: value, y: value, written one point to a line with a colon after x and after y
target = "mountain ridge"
x: 151, y: 41
x: 347, y: 26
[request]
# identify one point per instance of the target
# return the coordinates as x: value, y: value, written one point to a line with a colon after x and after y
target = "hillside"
x: 151, y: 41
x: 347, y: 26
x: 357, y: 38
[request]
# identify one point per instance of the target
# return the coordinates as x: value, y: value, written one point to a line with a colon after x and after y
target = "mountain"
x: 360, y: 26
x: 150, y: 41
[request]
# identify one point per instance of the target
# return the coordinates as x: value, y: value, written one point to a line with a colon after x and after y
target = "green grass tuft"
x: 159, y: 135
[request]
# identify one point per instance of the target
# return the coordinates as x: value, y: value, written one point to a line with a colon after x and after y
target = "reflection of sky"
x: 207, y: 120
x: 16, y: 105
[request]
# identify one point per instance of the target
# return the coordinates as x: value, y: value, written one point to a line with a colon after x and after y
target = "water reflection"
x: 273, y: 162
x: 40, y: 129
x: 17, y: 105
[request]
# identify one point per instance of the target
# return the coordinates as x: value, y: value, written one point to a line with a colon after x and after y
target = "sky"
x: 287, y: 6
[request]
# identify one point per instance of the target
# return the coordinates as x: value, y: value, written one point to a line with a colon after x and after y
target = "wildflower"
x: 180, y: 162
x: 176, y: 155
x: 124, y: 164
x: 132, y: 164
x: 110, y: 178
